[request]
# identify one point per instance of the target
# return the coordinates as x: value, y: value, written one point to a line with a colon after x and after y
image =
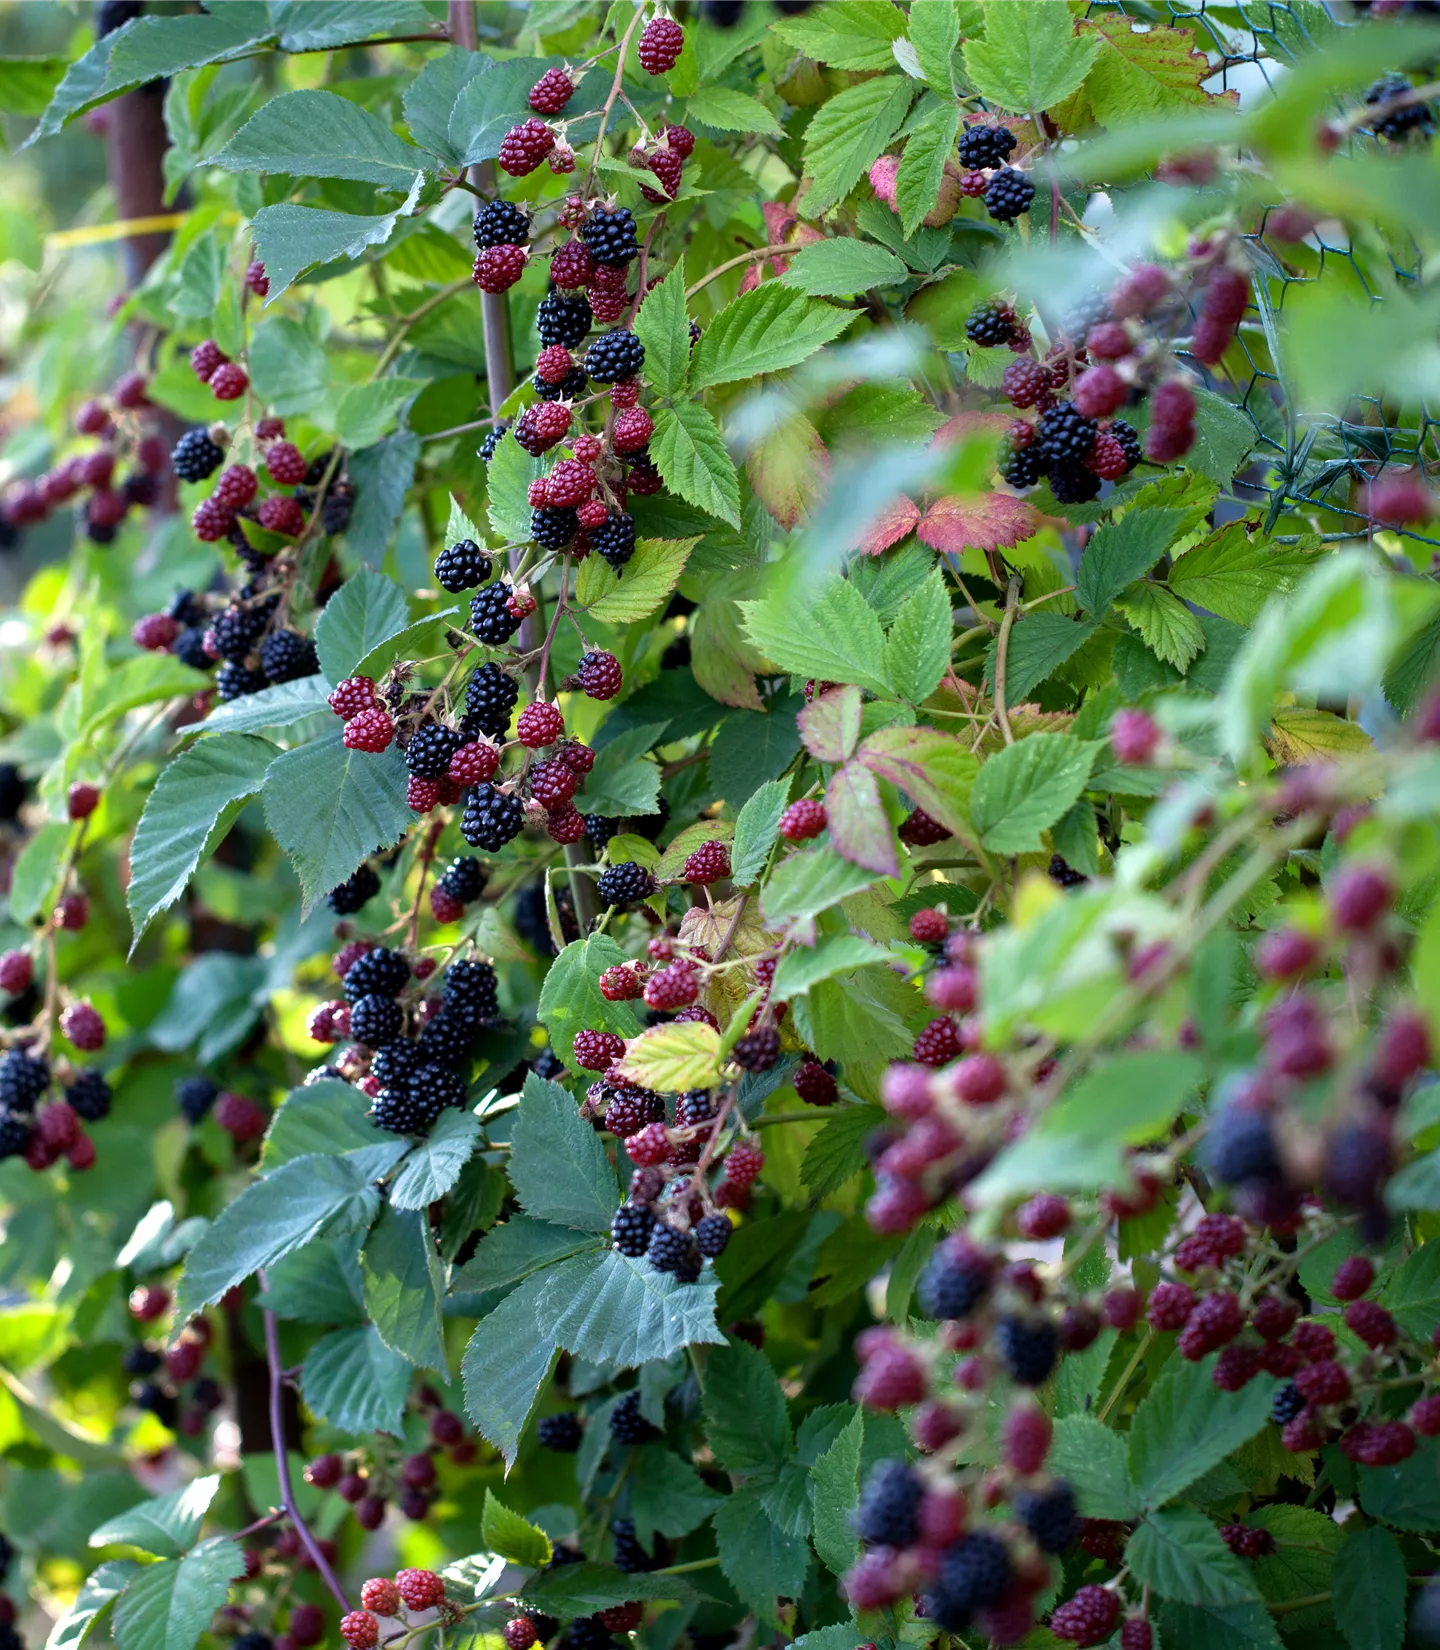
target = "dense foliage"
x: 720, y: 915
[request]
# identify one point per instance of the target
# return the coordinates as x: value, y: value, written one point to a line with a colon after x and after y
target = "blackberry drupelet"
x: 1064, y: 433
x: 490, y: 615
x: 889, y: 1504
x: 564, y: 318
x: 563, y: 1432
x: 492, y: 440
x: 461, y: 566
x: 952, y: 1286
x: 234, y: 681
x: 236, y: 631
x: 600, y: 829
x: 375, y: 1020
x: 668, y: 1247
x: 625, y: 883
x: 491, y: 818
x: 614, y: 355
x: 431, y: 746
x: 629, y: 1110
x: 982, y: 147
x: 22, y: 1080
x: 712, y: 1234
x: 696, y: 1106
x: 89, y: 1096
x: 548, y: 1064
x: 436, y: 1087
x: 378, y: 973
x: 1008, y: 194
x: 1027, y: 1349
x: 140, y: 1360
x: 609, y: 237
x: 630, y: 1230
x: 490, y: 700
x: 553, y: 529
x: 587, y: 1633
x: 447, y: 1037
x: 195, y: 1096
x: 346, y: 898
x: 1021, y: 467
x: 196, y: 456
x: 1064, y: 875
x: 989, y: 323
x: 1240, y: 1147
x: 614, y: 538
x: 339, y: 502
x: 286, y: 656
x: 465, y: 879
x: 1072, y: 483
x: 1050, y: 1516
x: 501, y: 223
x: 1399, y: 123
x: 575, y: 382
x: 627, y: 1424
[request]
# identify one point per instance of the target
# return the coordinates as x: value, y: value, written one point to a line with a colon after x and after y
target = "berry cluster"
x: 167, y: 1377
x: 373, y: 1478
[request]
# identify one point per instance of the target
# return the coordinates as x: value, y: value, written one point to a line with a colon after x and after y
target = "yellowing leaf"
x: 787, y: 468
x: 644, y: 582
x: 1300, y: 735
x: 682, y: 1055
x: 1138, y: 75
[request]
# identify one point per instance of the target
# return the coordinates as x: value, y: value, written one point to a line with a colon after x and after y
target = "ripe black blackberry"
x: 431, y: 746
x: 186, y: 608
x: 600, y: 829
x: 712, y: 1234
x: 1072, y: 483
x: 1286, y: 1404
x: 234, y: 681
x: 490, y: 615
x: 1050, y: 1516
x: 1064, y: 875
x: 140, y: 1360
x: 189, y: 648
x: 392, y: 1063
x: 89, y: 1096
x: 553, y: 529
x: 490, y: 700
x: 575, y: 382
x: 564, y: 318
x: 548, y: 1064
x: 436, y: 1087
x: 609, y: 237
x: 982, y: 147
x: 464, y: 879
x: 1021, y: 466
x: 375, y: 1020
x: 757, y: 1050
x: 346, y: 898
x: 614, y: 538
x: 379, y: 973
x: 401, y: 1113
x: 1240, y: 1147
x: 626, y: 883
x: 1129, y: 438
x: 615, y: 355
x: 630, y: 1230
x: 156, y: 1401
x: 22, y: 1080
x: 1027, y: 1349
x: 236, y: 631
x: 668, y: 1247
x: 628, y: 1425
x: 196, y: 456
x: 630, y: 1557
x: 447, y: 1037
x: 471, y: 987
x: 1399, y: 123
x: 1008, y: 194
x: 14, y: 1134
x: 339, y: 504
x: 952, y: 1286
x: 286, y: 656
x: 974, y: 1575
x: 1063, y: 433
x: 563, y: 1432
x: 587, y: 1633
x: 501, y: 223
x: 989, y: 323
x: 491, y: 818
x: 195, y: 1096
x: 461, y: 566
x: 492, y: 440
x: 889, y: 1504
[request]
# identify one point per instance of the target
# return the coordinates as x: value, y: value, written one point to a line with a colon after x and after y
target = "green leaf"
x: 572, y: 1590
x: 667, y: 1495
x: 558, y: 1166
x: 291, y: 239
x: 351, y: 1379
x: 917, y: 650
x: 1412, y: 1292
x: 325, y: 1117
x: 759, y: 1560
x: 1030, y: 57
x: 836, y: 1481
x: 1216, y: 1627
x: 570, y: 998
x: 28, y: 83
x: 614, y: 1310
x: 1132, y: 1098
x: 165, y: 1526
x: 1368, y: 1590
x: 752, y: 748
x: 836, y: 1152
x: 637, y: 589
x: 745, y: 1419
x: 505, y: 1364
x: 511, y: 1536
x: 366, y: 610
x: 366, y: 411
x: 403, y: 1285
x: 672, y: 1058
x: 167, y: 1606
x: 690, y: 454
x: 1181, y: 1556
x: 623, y: 781
x: 316, y: 25
x: 805, y: 884
x: 922, y: 167
x: 1406, y: 1497
x: 1091, y: 1459
x: 801, y: 968
x: 321, y: 135
x: 1039, y: 645
x: 212, y: 1005
x: 1234, y: 572
x: 278, y: 706
x: 194, y: 803
x: 429, y: 99
x: 433, y: 1165
x: 508, y: 478
x: 510, y: 1252
x: 330, y: 808
x: 663, y: 326
x: 1224, y: 436
x: 723, y: 110
x: 768, y: 329
x: 847, y: 137
x: 1167, y: 627
x: 833, y: 637
x: 1121, y: 551
x: 1185, y: 1425
x: 835, y: 268
x: 98, y: 1592
x: 490, y: 104
x: 287, y: 363
x: 300, y: 1201
x: 34, y: 881
x: 1023, y: 789
x: 934, y: 30
x: 847, y: 34
x: 756, y: 827
x: 936, y: 771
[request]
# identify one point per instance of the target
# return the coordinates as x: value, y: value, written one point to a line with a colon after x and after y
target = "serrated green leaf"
x: 937, y: 771
x: 1030, y: 57
x: 366, y: 411
x: 836, y: 1479
x: 325, y: 1117
x: 97, y: 1593
x: 1233, y: 572
x: 1125, y: 550
x: 667, y: 1496
x: 724, y: 110
x: 846, y: 137
x: 1368, y: 1590
x: 691, y: 457
x: 836, y: 1152
x: 1039, y: 645
x: 512, y: 1536
x: 1185, y: 1425
x: 1181, y: 1556
x: 1406, y: 1497
x: 1091, y: 1459
x: 805, y: 884
x: 434, y: 1164
x: 614, y: 1310
x: 756, y: 827
x: 165, y: 1526
x: 759, y: 1560
x: 917, y: 650
x: 672, y: 1058
x: 403, y: 1285
x: 508, y: 477
x: 366, y: 610
x: 922, y: 167
x: 745, y: 1418
x: 571, y: 1001
x: 167, y: 1606
x: 318, y: 134
x: 278, y: 706
x: 510, y: 1252
x: 803, y: 967
x: 847, y: 34
x: 837, y: 267
x: 934, y: 31
x: 663, y: 326
x: 291, y: 239
x: 1167, y: 627
x: 506, y: 1362
x: 351, y: 1379
x: 34, y: 880
x: 642, y: 585
x: 768, y: 329
x: 833, y: 637
x: 571, y: 1590
x: 1023, y: 789
x: 558, y: 1166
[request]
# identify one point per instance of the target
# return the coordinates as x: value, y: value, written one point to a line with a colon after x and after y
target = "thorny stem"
x: 1002, y: 650
x: 610, y: 101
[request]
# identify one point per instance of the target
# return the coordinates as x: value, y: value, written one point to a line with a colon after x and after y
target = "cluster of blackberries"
x: 369, y: 1483
x: 1074, y: 452
x: 1399, y: 123
x: 252, y: 651
x: 983, y: 150
x: 356, y: 891
x: 168, y: 1382
x: 461, y: 884
x: 43, y: 1132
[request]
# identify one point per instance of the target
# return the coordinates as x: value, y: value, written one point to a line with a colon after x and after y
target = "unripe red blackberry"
x: 937, y: 1044
x: 1215, y: 1320
x: 519, y: 1633
x: 757, y: 1050
x: 553, y: 363
x: 803, y: 820
x: 1286, y: 953
x: 632, y: 430
x: 285, y: 463
x: 548, y: 96
x: 369, y: 1514
x: 540, y: 427
x: 360, y: 1630
x: 598, y: 1050
x: 540, y: 724
x: 814, y: 1084
x: 1371, y: 1323
x: 1088, y: 1618
x: 1403, y: 1049
x: 1359, y: 896
x: 204, y: 359
x: 381, y: 1596
x: 83, y: 1027
x: 1134, y: 736
x: 73, y: 912
x: 420, y: 1589
x: 279, y: 514
x: 211, y: 521
x: 240, y: 1117
x: 236, y: 486
x: 369, y: 730
x: 930, y: 926
x: 709, y: 863
x: 17, y: 970
x: 350, y: 697
x: 1353, y: 1277
x: 919, y: 830
x: 228, y: 382
x: 1324, y: 1382
x: 1172, y: 407
x: 1170, y: 1305
x: 649, y: 1147
x: 82, y: 800
x: 553, y: 783
x: 1100, y: 391
x: 672, y: 986
x: 571, y: 266
x: 256, y: 279
x: 307, y: 1624
x: 1425, y: 1415
x: 1027, y: 1438
x: 979, y: 1079
x: 497, y: 268
x: 660, y: 45
x: 475, y: 763
x: 622, y: 983
x: 524, y: 147
x: 1044, y: 1216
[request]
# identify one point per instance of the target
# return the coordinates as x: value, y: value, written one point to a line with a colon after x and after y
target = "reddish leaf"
x: 897, y: 520
x: 980, y: 521
x: 965, y: 424
x: 787, y: 468
x: 830, y: 726
x: 935, y: 770
x: 858, y: 824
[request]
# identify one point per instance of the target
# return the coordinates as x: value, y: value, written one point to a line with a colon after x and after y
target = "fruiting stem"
x: 609, y: 101
x: 1118, y: 1390
x: 1002, y: 650
x: 688, y: 1569
x: 744, y: 258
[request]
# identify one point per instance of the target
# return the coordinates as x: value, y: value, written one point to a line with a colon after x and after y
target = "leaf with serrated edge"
x: 640, y: 587
x: 846, y: 136
x: 165, y: 1526
x: 557, y: 1165
x: 836, y: 1477
x: 922, y: 167
x: 98, y: 1592
x: 672, y: 1058
x: 663, y: 326
x: 400, y: 1269
x: 1122, y: 551
x: 614, y: 1310
x: 1181, y: 1556
x: 320, y: 134
x: 765, y: 330
x: 724, y: 110
x: 690, y: 455
x: 570, y: 998
x: 366, y: 610
x: 434, y: 1164
x: 1023, y: 789
x: 512, y: 1536
x: 936, y: 771
x: 351, y: 1379
x: 858, y: 824
x: 803, y: 885
x: 1368, y: 1595
x: 830, y: 724
x: 833, y: 637
x: 1030, y: 57
x: 755, y: 831
x: 918, y: 647
x: 169, y: 1605
x: 506, y: 1362
x: 278, y: 706
x: 1185, y: 1425
x: 801, y: 968
x: 837, y: 267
